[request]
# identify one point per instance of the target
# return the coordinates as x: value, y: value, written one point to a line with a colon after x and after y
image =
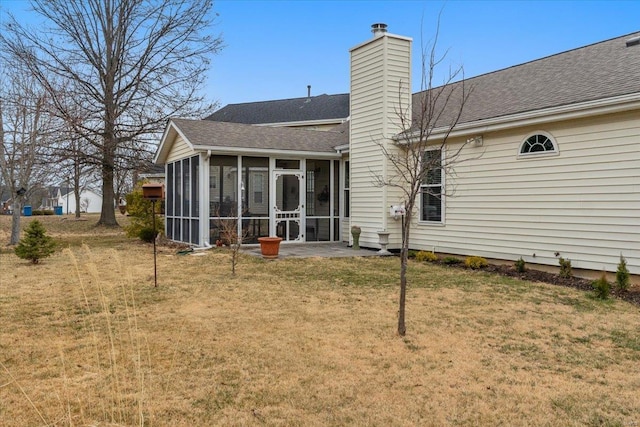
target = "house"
x: 49, y: 197
x: 553, y: 169
x: 90, y: 201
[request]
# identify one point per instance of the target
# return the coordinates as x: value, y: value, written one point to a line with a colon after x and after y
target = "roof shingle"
x: 205, y: 133
x: 321, y: 107
x: 602, y: 70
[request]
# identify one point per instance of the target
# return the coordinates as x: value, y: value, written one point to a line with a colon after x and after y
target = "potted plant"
x: 269, y: 246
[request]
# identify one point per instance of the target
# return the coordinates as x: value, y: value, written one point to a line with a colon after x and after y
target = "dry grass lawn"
x: 86, y: 340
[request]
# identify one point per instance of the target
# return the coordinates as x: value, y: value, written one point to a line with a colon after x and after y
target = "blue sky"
x: 274, y: 49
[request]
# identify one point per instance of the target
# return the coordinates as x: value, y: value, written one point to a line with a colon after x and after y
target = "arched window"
x: 538, y: 143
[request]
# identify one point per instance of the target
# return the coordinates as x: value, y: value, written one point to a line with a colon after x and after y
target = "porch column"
x: 204, y: 199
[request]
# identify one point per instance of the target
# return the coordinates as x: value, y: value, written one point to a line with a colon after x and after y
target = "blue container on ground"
x: 27, y: 210
x: 57, y: 210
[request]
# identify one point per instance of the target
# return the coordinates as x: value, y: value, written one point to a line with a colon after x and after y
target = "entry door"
x: 289, y: 205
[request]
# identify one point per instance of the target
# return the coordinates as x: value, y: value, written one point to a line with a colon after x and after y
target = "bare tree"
x: 127, y: 65
x: 416, y: 158
x: 25, y: 127
x: 231, y: 236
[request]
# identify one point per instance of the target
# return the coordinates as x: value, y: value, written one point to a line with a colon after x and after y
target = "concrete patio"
x: 308, y: 250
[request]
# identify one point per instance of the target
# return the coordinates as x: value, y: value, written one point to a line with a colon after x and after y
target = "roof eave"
x: 170, y: 133
x: 336, y: 121
x: 266, y: 151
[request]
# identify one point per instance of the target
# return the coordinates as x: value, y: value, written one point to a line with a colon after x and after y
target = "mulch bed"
x: 632, y: 295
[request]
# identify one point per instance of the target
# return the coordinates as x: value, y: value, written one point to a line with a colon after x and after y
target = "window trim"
x: 536, y: 154
x: 442, y: 192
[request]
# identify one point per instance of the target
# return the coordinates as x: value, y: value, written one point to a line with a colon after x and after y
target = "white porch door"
x: 288, y: 205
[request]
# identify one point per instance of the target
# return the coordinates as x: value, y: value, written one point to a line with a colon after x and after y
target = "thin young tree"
x: 416, y: 156
x: 25, y: 128
x: 127, y: 65
x: 231, y: 236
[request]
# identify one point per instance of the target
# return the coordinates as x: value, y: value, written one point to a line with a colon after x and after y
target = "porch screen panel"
x: 255, y: 198
x: 186, y: 190
x: 346, y: 190
x: 223, y: 185
x: 178, y: 187
x: 181, y: 204
x: 195, y: 186
x: 194, y: 231
x: 319, y: 196
x: 336, y: 188
x: 185, y: 230
x: 170, y: 192
x: 169, y: 222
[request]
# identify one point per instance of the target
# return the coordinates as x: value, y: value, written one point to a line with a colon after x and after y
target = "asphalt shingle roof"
x: 321, y: 107
x: 598, y: 71
x: 205, y: 133
x: 602, y: 70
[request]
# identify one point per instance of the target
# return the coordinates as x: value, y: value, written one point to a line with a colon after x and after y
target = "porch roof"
x: 203, y: 134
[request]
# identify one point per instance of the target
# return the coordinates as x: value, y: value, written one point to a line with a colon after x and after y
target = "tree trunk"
x: 108, y: 212
x: 15, y: 222
x: 76, y: 195
x: 404, y: 257
x: 402, y: 329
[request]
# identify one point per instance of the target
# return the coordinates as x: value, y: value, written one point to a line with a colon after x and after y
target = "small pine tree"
x: 35, y: 245
x: 565, y: 268
x: 602, y: 287
x: 622, y: 274
x: 141, y: 212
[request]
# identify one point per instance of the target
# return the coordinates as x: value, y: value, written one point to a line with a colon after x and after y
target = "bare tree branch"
x: 116, y: 70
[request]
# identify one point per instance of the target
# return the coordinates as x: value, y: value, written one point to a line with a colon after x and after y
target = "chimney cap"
x: 378, y: 28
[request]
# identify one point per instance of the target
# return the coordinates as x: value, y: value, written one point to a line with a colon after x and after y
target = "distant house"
x: 153, y: 174
x: 555, y: 167
x: 90, y: 201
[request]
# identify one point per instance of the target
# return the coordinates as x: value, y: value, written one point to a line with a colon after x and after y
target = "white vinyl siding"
x: 583, y: 203
x: 179, y: 150
x: 377, y: 68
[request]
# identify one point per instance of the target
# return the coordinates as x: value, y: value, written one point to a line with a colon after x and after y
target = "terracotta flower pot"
x: 269, y: 247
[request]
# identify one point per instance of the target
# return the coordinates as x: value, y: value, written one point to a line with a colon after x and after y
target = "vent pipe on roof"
x: 633, y: 41
x: 308, y: 91
x: 378, y: 29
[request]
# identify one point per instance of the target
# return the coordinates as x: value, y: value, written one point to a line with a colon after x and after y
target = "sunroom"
x: 267, y: 181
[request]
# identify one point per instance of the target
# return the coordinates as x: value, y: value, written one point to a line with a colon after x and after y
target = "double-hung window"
x: 431, y: 191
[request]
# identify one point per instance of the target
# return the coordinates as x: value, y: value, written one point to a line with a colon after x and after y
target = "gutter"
x: 234, y: 151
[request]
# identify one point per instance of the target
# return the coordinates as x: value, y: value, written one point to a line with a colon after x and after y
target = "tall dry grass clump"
x: 93, y: 349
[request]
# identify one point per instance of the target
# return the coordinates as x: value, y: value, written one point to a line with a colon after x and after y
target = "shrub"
x: 520, y: 265
x: 41, y: 212
x: 426, y: 256
x: 565, y: 268
x: 35, y: 245
x: 411, y: 254
x: 147, y: 234
x: 451, y: 260
x: 140, y: 211
x: 602, y: 287
x: 475, y: 262
x: 622, y: 274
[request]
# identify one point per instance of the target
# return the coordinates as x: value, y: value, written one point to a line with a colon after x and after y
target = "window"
x: 538, y: 143
x: 258, y: 188
x: 431, y: 200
